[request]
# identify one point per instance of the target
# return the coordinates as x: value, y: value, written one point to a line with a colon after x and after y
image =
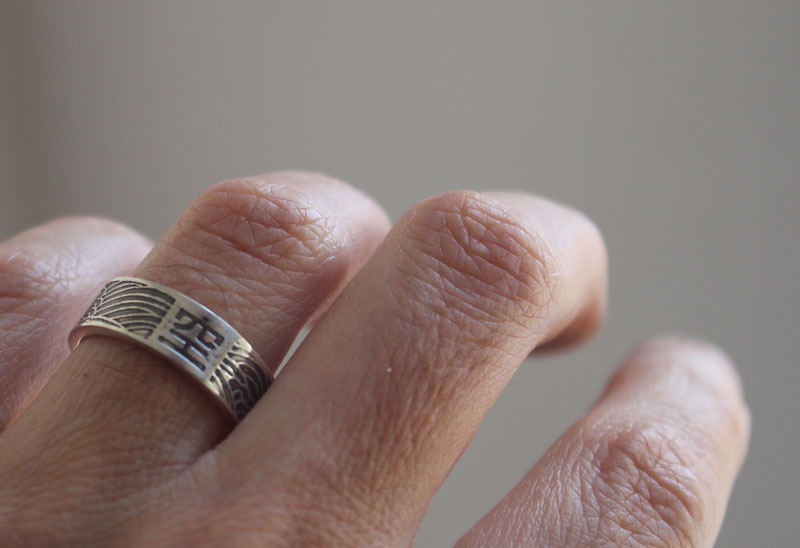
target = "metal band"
x: 185, y: 332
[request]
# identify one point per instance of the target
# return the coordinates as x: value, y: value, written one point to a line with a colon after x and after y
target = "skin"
x: 417, y: 330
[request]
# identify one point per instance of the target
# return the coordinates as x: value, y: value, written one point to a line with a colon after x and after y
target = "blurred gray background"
x: 675, y: 125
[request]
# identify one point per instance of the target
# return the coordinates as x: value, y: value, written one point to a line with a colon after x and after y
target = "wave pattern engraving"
x: 239, y: 380
x: 130, y: 305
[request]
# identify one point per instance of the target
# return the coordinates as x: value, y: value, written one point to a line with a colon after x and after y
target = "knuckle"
x: 485, y: 259
x: 25, y: 279
x: 261, y: 217
x: 639, y: 482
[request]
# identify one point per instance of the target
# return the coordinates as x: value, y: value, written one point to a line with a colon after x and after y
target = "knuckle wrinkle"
x: 266, y: 221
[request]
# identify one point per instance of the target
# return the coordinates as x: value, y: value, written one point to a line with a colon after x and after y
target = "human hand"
x: 422, y: 329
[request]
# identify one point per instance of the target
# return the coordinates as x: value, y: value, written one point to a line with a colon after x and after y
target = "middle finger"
x: 383, y: 396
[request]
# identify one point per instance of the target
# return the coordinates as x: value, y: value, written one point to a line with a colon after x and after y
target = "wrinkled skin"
x: 417, y: 328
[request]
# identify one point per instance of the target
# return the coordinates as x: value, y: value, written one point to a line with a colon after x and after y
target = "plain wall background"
x: 675, y: 125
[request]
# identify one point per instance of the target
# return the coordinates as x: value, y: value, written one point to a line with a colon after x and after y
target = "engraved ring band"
x: 191, y: 337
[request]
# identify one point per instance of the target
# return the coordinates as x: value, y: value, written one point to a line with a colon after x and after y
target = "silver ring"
x: 188, y: 334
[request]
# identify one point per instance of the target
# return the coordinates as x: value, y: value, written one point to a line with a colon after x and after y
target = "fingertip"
x: 698, y: 360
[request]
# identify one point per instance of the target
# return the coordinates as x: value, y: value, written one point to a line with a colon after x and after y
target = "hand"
x: 422, y: 329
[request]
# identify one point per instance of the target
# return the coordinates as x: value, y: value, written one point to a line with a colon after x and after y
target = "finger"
x: 585, y: 325
x: 264, y: 253
x: 652, y: 464
x: 383, y: 396
x: 48, y: 276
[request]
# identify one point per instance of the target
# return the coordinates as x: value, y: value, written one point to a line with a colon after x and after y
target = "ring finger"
x: 264, y: 253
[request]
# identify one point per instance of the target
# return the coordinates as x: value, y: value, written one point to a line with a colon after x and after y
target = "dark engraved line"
x: 130, y: 316
x: 124, y: 288
x: 100, y: 319
x: 130, y: 305
x: 240, y: 381
x: 144, y: 305
x: 136, y: 296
